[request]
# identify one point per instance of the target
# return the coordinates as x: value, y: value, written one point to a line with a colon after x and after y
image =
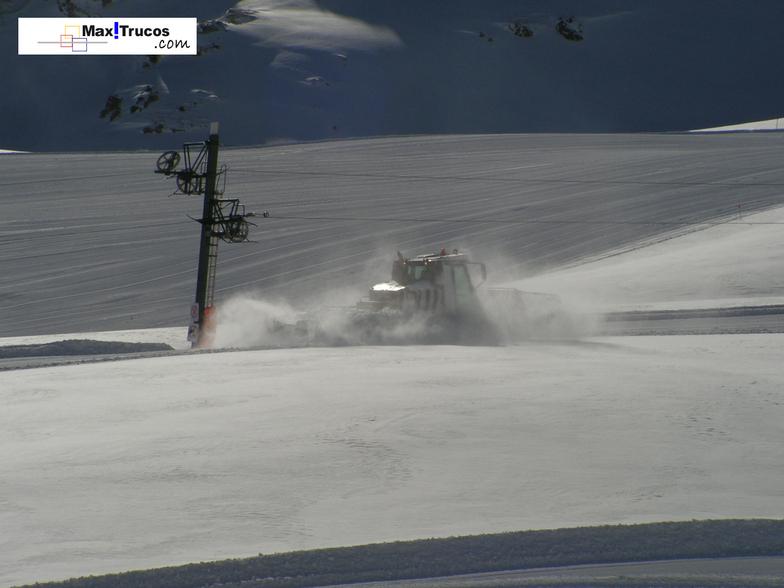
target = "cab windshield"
x: 419, y: 272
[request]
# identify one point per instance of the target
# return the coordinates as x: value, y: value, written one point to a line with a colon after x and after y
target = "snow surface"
x: 173, y: 336
x: 732, y: 264
x: 761, y: 125
x: 302, y: 24
x: 109, y: 467
x: 159, y: 461
x: 95, y: 242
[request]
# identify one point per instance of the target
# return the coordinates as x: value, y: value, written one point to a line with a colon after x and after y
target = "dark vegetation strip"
x: 462, y: 555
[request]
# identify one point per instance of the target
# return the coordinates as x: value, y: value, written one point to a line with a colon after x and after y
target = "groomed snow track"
x: 95, y: 242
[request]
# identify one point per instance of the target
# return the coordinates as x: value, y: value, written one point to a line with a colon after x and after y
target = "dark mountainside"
x: 279, y: 70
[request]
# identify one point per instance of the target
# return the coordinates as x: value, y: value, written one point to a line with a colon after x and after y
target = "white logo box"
x: 107, y: 36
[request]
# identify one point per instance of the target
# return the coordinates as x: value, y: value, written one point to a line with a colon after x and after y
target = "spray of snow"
x: 247, y: 321
x: 332, y: 317
x: 503, y: 317
x: 525, y: 316
x: 521, y: 311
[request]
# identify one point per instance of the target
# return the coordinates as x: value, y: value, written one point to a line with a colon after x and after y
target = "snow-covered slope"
x: 144, y: 463
x: 151, y: 462
x: 735, y: 264
x: 273, y: 70
x: 147, y: 462
x: 761, y: 125
x: 96, y: 242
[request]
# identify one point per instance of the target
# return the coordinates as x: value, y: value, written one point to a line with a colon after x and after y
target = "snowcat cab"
x: 435, y: 283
